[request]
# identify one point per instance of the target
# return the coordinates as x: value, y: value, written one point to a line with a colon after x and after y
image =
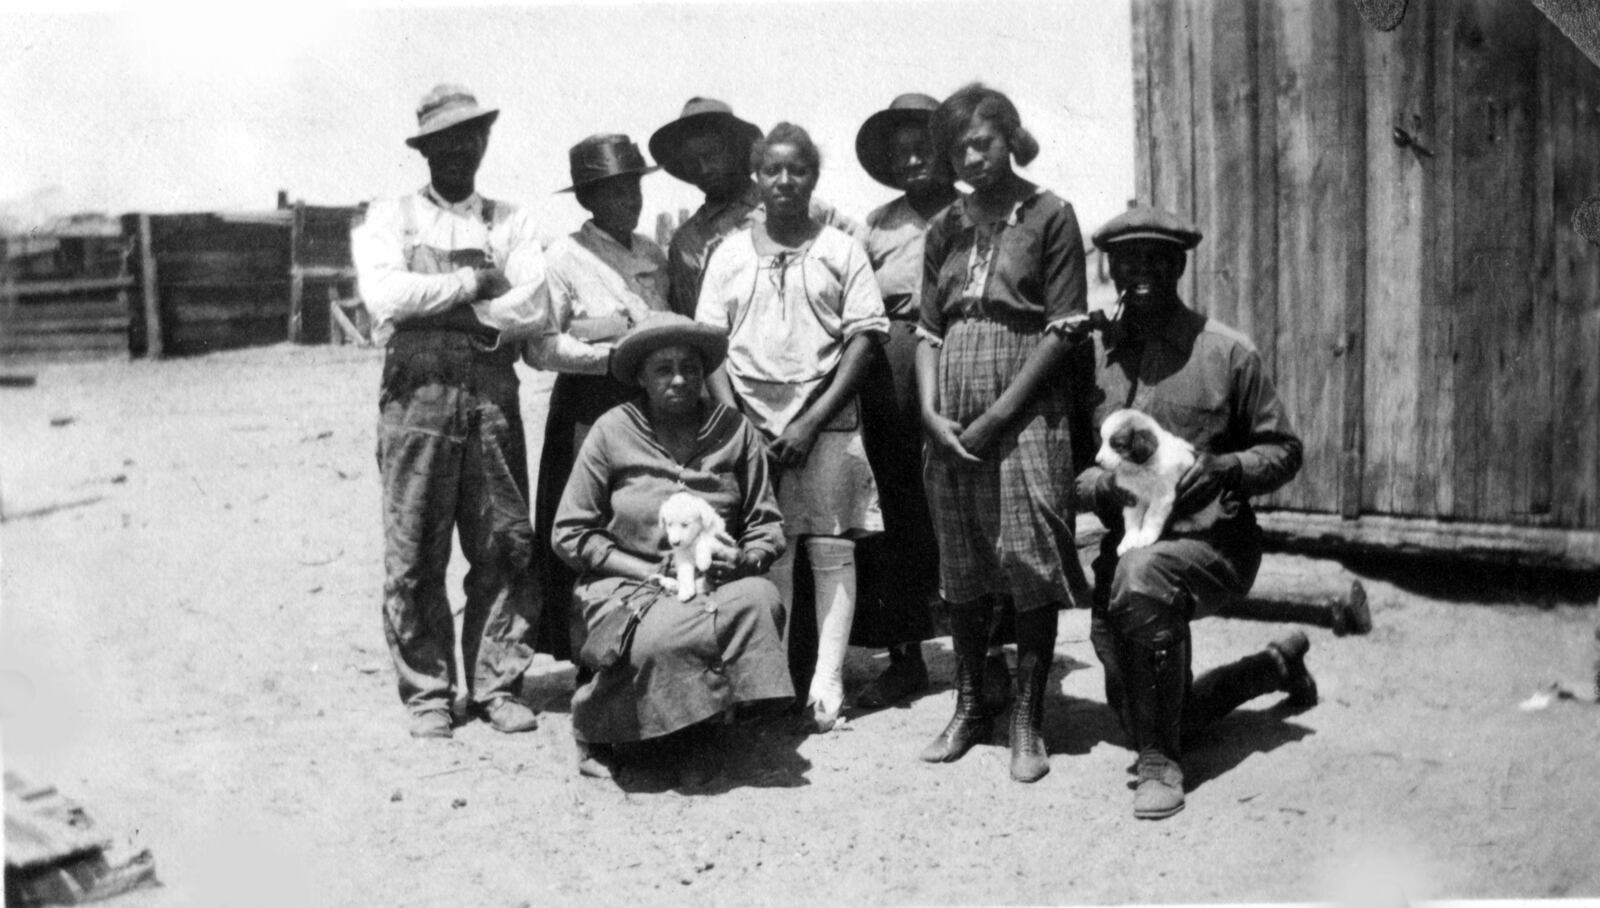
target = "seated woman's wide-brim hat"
x: 666, y: 329
x: 872, y: 141
x: 699, y: 115
x: 446, y: 106
x: 601, y: 157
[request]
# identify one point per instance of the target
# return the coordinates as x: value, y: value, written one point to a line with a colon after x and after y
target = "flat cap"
x: 1142, y: 222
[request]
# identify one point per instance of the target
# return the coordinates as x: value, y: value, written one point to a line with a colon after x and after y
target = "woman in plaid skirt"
x: 1003, y: 307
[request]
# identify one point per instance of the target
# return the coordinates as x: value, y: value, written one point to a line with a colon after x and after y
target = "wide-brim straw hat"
x: 658, y: 330
x: 1144, y: 222
x: 872, y: 141
x: 699, y: 115
x: 601, y: 157
x: 448, y: 105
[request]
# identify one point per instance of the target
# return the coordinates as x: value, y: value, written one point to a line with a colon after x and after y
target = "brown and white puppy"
x: 1148, y: 462
x: 695, y: 532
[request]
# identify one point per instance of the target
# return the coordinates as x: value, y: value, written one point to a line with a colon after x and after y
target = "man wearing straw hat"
x: 1204, y: 382
x: 455, y: 283
x: 710, y: 147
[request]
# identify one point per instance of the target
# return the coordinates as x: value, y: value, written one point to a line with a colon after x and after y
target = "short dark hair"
x: 787, y: 134
x: 972, y: 103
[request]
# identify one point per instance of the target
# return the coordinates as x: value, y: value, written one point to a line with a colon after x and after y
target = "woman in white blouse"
x: 803, y: 311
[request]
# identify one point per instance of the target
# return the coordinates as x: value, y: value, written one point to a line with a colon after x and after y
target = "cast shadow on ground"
x: 1073, y: 726
x: 714, y: 760
x: 550, y: 689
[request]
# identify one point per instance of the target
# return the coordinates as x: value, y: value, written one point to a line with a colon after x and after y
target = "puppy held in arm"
x: 695, y: 534
x: 1148, y: 462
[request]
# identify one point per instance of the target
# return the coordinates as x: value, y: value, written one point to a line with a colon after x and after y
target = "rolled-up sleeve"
x: 524, y: 310
x: 1066, y: 288
x: 862, y: 311
x: 389, y: 290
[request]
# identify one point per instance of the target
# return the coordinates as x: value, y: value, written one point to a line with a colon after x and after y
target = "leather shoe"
x: 1297, y: 680
x: 510, y: 715
x: 1159, y: 792
x: 432, y: 723
x: 902, y: 679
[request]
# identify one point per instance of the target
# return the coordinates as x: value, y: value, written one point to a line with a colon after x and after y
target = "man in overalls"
x: 454, y: 282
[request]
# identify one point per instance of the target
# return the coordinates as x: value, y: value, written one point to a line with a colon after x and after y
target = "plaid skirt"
x: 1005, y: 524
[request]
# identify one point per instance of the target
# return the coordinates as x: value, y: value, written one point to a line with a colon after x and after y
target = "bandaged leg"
x: 833, y: 567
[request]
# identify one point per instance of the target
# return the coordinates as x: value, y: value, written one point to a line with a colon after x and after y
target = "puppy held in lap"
x: 695, y: 534
x: 1148, y: 461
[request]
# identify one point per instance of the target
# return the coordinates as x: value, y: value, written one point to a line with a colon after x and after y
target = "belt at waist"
x: 460, y: 319
x: 453, y: 344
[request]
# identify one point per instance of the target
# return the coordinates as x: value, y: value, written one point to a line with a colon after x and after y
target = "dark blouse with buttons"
x: 1026, y: 269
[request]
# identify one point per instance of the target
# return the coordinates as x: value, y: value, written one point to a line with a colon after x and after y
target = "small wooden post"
x: 296, y: 278
x: 152, y: 295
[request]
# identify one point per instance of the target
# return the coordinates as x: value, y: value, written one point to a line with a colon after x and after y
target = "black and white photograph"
x: 800, y: 452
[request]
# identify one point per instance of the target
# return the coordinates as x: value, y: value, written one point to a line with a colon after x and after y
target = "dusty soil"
x: 190, y: 589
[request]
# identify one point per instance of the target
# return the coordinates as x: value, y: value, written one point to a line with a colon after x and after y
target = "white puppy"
x: 695, y: 532
x: 1148, y: 462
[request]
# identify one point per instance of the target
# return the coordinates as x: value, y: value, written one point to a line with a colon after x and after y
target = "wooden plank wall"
x: 223, y: 282
x: 1431, y: 317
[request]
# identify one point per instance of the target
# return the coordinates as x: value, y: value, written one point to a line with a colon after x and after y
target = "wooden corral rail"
x: 65, y: 318
x: 1389, y: 216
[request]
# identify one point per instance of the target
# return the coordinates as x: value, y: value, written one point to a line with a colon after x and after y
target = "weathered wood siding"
x: 1387, y: 215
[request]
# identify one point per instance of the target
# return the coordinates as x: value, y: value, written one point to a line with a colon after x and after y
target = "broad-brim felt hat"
x: 872, y: 140
x: 1144, y: 222
x: 448, y: 105
x: 603, y: 156
x: 659, y: 330
x: 699, y: 115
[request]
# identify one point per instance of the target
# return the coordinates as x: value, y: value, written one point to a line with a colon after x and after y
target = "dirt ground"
x: 191, y: 567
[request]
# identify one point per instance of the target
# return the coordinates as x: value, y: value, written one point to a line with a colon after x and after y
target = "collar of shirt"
x: 626, y: 259
x: 1012, y: 217
x: 467, y: 207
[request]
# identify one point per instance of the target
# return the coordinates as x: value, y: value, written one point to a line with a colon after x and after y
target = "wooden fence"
x: 193, y: 283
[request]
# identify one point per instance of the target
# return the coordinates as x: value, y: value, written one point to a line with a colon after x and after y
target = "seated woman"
x: 603, y: 279
x: 688, y: 661
x: 803, y: 313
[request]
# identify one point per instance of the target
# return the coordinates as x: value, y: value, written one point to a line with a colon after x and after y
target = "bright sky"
x: 175, y: 107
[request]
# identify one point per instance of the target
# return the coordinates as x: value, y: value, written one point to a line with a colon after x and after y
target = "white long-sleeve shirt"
x: 402, y: 256
x: 598, y: 289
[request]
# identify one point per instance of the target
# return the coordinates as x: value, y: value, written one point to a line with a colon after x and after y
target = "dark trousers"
x: 451, y: 456
x: 1143, y: 604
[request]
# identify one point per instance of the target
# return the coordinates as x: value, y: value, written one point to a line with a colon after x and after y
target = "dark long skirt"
x: 576, y: 401
x: 898, y: 570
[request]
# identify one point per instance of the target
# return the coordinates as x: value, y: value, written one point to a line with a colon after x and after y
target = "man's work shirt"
x: 1204, y: 382
x: 416, y: 256
x: 686, y: 255
x: 599, y: 289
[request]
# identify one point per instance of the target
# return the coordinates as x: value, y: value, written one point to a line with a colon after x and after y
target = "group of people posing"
x: 886, y: 416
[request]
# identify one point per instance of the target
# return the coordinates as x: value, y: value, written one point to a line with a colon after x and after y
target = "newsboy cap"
x: 1143, y: 222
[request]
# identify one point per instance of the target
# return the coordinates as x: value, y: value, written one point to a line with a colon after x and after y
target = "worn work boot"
x: 1290, y: 653
x: 969, y: 629
x: 431, y: 723
x: 1159, y: 791
x: 510, y: 715
x: 906, y: 676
